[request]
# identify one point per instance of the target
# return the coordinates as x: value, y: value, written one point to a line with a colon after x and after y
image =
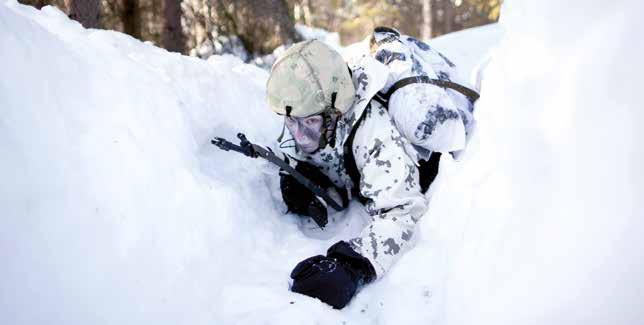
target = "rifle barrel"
x: 252, y: 150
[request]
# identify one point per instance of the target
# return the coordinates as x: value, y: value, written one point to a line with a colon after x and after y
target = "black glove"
x: 334, y: 278
x: 300, y: 199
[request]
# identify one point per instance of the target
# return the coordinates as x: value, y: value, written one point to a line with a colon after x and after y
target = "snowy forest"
x: 116, y: 207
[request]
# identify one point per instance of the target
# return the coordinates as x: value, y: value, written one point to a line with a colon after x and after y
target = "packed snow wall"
x: 548, y: 225
x: 114, y: 206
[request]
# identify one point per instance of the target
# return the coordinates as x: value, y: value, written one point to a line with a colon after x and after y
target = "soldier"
x: 346, y: 139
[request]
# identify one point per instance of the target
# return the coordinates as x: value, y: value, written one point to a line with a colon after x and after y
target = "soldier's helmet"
x: 310, y: 78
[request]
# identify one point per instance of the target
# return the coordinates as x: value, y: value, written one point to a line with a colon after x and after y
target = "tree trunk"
x: 131, y: 17
x: 261, y: 25
x: 208, y: 21
x: 449, y: 14
x: 173, y: 38
x: 426, y: 30
x: 306, y: 10
x: 86, y: 12
x: 36, y: 3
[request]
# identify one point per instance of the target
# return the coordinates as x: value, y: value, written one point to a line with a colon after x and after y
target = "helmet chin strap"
x: 330, y: 121
x: 288, y: 113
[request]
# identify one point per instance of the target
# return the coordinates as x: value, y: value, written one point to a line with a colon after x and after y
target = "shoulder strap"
x: 471, y: 95
x: 349, y: 159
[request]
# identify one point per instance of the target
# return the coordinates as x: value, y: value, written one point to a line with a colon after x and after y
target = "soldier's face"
x: 306, y: 131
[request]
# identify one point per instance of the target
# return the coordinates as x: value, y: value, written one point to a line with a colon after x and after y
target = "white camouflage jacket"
x: 385, y: 158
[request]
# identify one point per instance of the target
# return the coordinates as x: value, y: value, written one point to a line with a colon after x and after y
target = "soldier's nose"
x: 297, y: 132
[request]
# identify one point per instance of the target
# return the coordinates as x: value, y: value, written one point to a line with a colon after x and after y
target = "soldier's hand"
x: 334, y: 278
x: 325, y: 278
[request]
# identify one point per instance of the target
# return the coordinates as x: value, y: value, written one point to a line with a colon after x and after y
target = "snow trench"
x: 116, y: 209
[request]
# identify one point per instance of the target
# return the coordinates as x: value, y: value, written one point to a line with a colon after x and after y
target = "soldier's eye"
x: 289, y: 120
x: 313, y: 120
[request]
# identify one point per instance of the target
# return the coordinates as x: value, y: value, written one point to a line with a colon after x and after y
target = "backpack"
x: 424, y: 66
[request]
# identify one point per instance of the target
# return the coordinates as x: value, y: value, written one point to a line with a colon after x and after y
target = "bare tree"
x: 306, y: 12
x: 131, y: 17
x: 36, y: 3
x: 41, y: 3
x: 426, y: 30
x: 173, y: 37
x: 260, y: 25
x: 449, y: 14
x: 86, y: 12
x: 208, y: 21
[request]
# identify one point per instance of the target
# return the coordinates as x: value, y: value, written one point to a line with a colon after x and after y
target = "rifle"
x: 254, y: 151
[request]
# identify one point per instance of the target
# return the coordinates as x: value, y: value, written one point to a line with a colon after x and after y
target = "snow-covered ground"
x: 115, y: 208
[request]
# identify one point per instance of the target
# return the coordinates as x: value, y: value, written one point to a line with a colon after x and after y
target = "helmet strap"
x: 288, y: 113
x: 330, y: 122
x: 279, y: 139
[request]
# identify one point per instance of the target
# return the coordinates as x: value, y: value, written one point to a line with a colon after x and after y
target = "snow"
x: 548, y: 226
x: 330, y: 38
x: 115, y: 208
x: 470, y: 49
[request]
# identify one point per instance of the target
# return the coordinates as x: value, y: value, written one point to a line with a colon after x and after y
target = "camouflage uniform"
x: 385, y: 158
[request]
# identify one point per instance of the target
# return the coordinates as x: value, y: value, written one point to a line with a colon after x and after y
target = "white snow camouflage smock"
x: 384, y: 157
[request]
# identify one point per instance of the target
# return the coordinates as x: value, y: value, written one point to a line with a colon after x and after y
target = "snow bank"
x: 547, y: 225
x: 470, y: 49
x: 114, y: 207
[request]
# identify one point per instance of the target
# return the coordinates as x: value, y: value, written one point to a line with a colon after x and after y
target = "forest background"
x: 254, y: 29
